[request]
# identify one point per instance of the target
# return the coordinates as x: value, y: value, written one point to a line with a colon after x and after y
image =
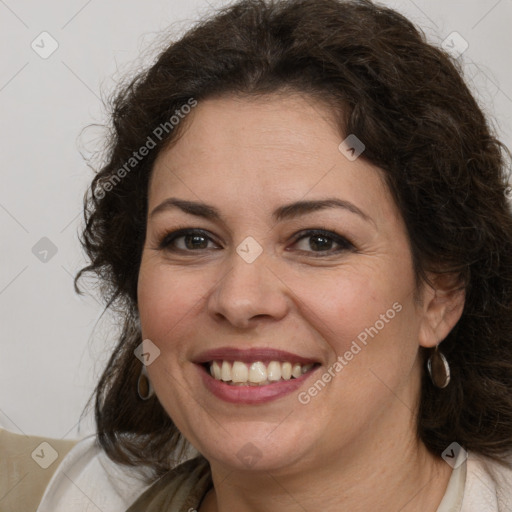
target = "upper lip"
x: 250, y: 355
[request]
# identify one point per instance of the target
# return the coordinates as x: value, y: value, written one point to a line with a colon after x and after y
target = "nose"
x: 248, y: 293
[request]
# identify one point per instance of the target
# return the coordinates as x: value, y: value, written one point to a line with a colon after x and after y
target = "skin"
x: 353, y: 446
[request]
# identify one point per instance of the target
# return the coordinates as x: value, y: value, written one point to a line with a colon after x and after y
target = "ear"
x: 442, y: 303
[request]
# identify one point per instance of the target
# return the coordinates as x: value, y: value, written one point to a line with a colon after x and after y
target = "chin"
x: 256, y: 446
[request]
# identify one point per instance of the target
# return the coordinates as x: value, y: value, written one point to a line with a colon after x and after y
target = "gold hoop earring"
x: 438, y: 369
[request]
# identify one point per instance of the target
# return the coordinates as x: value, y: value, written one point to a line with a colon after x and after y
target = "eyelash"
x: 169, y: 237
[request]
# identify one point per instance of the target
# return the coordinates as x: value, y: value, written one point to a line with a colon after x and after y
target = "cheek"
x: 364, y: 314
x: 370, y: 329
x: 165, y: 297
x: 346, y: 303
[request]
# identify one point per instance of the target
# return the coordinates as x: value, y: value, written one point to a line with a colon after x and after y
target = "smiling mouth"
x: 257, y: 373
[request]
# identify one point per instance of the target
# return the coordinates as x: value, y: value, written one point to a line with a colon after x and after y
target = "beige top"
x: 25, y: 469
x: 85, y: 480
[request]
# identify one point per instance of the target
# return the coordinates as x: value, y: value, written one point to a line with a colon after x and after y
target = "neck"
x: 386, y: 468
x: 400, y: 476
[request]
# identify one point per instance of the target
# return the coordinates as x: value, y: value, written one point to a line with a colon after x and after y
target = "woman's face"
x: 253, y: 283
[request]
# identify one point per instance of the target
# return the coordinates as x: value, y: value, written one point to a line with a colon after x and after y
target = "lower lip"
x: 252, y: 394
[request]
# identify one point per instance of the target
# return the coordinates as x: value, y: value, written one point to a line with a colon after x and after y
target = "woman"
x: 304, y: 226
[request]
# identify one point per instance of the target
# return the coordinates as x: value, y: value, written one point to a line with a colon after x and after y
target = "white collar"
x: 88, y: 480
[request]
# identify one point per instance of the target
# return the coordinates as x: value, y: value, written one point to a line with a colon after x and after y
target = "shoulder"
x: 27, y: 463
x: 87, y: 477
x: 488, y: 485
x: 51, y: 475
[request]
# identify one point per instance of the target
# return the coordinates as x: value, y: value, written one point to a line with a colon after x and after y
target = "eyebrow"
x: 287, y: 211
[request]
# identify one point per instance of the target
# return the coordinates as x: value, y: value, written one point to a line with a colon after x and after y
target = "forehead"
x: 260, y: 151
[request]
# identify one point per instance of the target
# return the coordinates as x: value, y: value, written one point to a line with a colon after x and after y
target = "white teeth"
x: 225, y: 374
x: 215, y: 370
x: 274, y: 371
x: 286, y: 371
x: 296, y: 371
x: 239, y: 372
x: 307, y: 367
x: 257, y: 373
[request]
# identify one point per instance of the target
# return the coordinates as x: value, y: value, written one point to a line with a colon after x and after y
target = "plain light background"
x: 53, y: 343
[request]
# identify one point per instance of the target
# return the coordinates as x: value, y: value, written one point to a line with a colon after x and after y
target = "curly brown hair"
x: 447, y: 171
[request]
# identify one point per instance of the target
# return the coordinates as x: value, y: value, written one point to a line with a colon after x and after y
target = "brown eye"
x: 185, y: 240
x: 320, y: 241
x: 194, y: 241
